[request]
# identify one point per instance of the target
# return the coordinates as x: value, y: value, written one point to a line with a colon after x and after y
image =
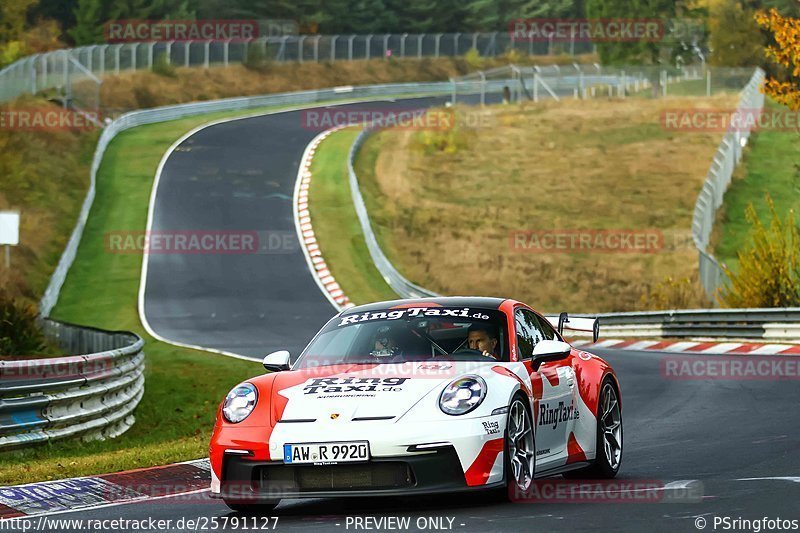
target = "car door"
x: 553, y: 383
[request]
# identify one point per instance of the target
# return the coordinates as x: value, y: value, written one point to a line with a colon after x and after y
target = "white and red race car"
x: 420, y: 396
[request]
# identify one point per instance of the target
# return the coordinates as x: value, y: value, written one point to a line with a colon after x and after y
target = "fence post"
x: 350, y: 47
x: 708, y: 81
x: 475, y: 41
x: 117, y: 58
x: 225, y: 47
x: 403, y: 45
x: 150, y: 55
x: 187, y: 48
x: 168, y: 51
x: 535, y: 83
x: 419, y: 45
x: 483, y: 88
x: 103, y: 60
x: 133, y: 55
x: 386, y: 46
x: 316, y: 48
x: 206, y: 53
x: 455, y: 44
x: 333, y: 47
x: 300, y: 41
x: 367, y: 45
x: 436, y: 45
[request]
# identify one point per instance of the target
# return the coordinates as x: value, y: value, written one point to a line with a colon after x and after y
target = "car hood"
x: 355, y: 392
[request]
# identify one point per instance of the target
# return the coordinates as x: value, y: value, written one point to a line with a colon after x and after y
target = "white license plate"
x: 326, y: 452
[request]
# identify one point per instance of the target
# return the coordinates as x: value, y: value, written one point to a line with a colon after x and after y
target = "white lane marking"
x: 680, y: 346
x: 723, y: 347
x: 793, y: 479
x: 579, y: 343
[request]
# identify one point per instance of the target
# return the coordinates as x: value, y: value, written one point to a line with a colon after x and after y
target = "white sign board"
x: 9, y: 228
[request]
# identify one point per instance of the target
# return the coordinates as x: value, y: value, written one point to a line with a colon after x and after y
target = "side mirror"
x: 277, y: 361
x: 548, y: 350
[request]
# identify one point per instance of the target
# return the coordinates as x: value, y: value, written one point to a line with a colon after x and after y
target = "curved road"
x: 240, y: 176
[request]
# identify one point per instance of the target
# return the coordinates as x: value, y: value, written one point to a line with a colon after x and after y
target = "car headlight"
x: 462, y: 395
x: 240, y: 402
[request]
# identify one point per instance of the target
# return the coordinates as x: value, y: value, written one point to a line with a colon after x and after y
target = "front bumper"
x: 424, y: 472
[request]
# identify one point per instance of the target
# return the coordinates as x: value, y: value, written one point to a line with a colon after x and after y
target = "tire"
x: 255, y: 507
x: 520, y: 451
x: 609, y: 443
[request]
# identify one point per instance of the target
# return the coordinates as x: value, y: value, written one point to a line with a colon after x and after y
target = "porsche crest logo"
x: 334, y: 416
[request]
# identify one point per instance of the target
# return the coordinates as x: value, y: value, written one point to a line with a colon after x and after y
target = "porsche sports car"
x: 420, y: 396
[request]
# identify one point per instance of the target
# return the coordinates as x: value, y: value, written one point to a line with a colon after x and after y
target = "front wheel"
x: 609, y: 438
x: 520, y: 463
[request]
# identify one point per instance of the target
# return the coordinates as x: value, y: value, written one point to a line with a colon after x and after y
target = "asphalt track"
x: 717, y: 432
x: 240, y: 175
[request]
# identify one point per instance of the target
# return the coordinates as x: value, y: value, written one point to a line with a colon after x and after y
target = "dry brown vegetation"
x: 44, y: 175
x: 445, y: 203
x: 144, y: 89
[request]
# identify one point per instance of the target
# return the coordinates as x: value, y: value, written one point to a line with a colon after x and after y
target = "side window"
x: 529, y: 332
x: 547, y: 329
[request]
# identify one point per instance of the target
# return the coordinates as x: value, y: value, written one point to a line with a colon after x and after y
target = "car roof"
x: 480, y: 302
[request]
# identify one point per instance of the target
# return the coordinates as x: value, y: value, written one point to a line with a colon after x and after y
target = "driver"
x: 483, y: 337
x: 387, y: 342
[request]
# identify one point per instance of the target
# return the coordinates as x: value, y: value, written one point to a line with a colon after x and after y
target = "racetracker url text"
x: 201, y: 523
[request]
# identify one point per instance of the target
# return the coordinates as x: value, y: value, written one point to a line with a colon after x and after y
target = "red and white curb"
x: 91, y: 492
x: 308, y: 241
x: 711, y: 347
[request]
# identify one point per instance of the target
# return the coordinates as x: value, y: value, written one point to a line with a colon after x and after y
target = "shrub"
x: 163, y: 67
x: 672, y: 293
x: 256, y: 59
x: 769, y: 268
x: 19, y: 333
x: 474, y: 59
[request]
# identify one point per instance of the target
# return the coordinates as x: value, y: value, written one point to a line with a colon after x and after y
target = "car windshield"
x: 399, y: 335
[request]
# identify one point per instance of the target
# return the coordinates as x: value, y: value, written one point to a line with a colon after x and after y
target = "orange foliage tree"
x: 785, y: 52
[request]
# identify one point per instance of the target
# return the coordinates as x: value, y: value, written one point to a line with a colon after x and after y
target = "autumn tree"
x: 785, y: 52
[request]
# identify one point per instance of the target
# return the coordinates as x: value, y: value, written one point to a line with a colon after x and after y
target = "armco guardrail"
x: 779, y: 324
x: 396, y: 281
x: 728, y: 156
x: 92, y: 395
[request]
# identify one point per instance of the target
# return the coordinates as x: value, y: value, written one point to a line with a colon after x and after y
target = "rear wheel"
x: 520, y: 463
x: 609, y: 437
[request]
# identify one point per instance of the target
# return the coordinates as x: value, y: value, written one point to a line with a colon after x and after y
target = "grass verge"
x: 336, y: 224
x: 771, y: 165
